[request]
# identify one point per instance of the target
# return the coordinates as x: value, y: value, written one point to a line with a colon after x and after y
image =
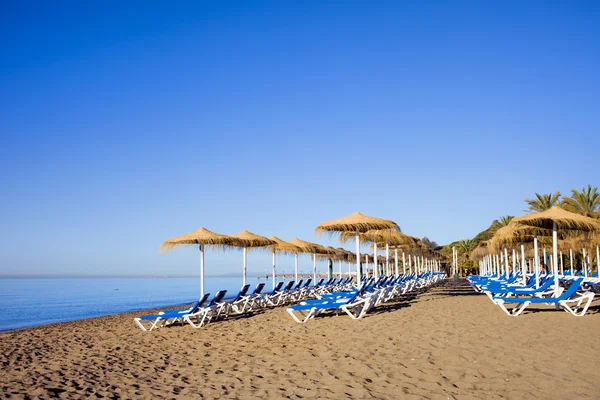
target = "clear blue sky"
x: 126, y: 123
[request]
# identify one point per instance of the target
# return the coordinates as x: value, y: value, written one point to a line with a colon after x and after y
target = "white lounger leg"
x: 138, y: 321
x: 577, y: 310
x: 517, y: 310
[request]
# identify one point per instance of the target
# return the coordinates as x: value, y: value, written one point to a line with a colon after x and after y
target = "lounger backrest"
x: 259, y: 288
x: 200, y: 303
x: 288, y: 286
x: 320, y: 282
x: 242, y: 292
x: 308, y: 282
x: 277, y: 287
x: 575, y: 285
x: 298, y: 285
x: 218, y: 297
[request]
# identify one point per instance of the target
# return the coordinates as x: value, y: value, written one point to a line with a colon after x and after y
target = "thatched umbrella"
x: 309, y: 248
x: 250, y: 240
x: 282, y: 247
x: 556, y: 218
x: 357, y: 223
x: 202, y: 237
x: 379, y: 237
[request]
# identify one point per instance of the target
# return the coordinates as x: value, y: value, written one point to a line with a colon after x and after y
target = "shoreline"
x: 447, y: 342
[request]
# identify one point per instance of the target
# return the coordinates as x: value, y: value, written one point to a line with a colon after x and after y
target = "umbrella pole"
x: 555, y: 259
x: 536, y: 263
x: 201, y: 270
x: 523, y: 271
x: 584, y: 265
x: 244, y: 268
x: 315, y: 267
x: 296, y: 268
x: 357, y: 259
x: 514, y: 261
x: 387, y: 259
x: 404, y: 263
x: 409, y: 265
x: 340, y: 263
x: 396, y: 257
x: 273, y: 270
x: 598, y: 260
x: 375, y: 269
x: 562, y: 267
x: 571, y: 260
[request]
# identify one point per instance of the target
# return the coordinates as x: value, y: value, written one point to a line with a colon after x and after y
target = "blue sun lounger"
x: 355, y: 306
x: 247, y: 301
x: 169, y: 316
x: 582, y: 301
x: 205, y: 314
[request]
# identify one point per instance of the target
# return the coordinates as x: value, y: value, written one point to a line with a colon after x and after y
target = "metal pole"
x: 403, y: 262
x: 296, y: 268
x: 315, y: 268
x: 387, y: 259
x: 244, y: 267
x: 201, y: 270
x: 396, y: 257
x: 375, y: 272
x: 358, y: 277
x: 537, y: 263
x: 562, y: 269
x: 555, y: 258
x: 571, y: 260
x: 274, y: 270
x: 523, y: 271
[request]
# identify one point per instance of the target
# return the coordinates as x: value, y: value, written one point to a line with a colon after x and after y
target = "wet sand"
x: 446, y: 343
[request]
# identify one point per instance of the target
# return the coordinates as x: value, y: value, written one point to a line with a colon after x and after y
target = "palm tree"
x: 586, y: 202
x: 500, y: 223
x: 463, y: 249
x: 543, y: 202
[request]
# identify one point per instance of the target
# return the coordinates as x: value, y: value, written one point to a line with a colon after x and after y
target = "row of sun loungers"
x: 357, y: 302
x: 513, y: 294
x: 205, y: 310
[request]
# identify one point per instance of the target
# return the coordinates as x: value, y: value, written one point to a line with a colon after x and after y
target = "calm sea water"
x: 31, y: 302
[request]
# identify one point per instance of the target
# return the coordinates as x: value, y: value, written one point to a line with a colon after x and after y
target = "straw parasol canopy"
x: 201, y: 237
x: 305, y: 247
x: 250, y: 240
x: 356, y: 223
x: 513, y: 233
x: 557, y: 218
x: 564, y: 220
x: 281, y: 246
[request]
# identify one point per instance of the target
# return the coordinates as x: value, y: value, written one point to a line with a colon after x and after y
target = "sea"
x: 26, y: 302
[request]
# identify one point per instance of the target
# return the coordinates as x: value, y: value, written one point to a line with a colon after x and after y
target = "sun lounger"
x: 248, y: 301
x: 580, y: 301
x: 356, y: 307
x: 169, y: 316
x: 205, y: 314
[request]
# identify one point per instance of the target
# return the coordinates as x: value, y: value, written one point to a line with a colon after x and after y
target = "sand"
x: 446, y: 343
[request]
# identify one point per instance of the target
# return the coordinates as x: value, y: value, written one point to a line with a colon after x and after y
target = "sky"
x: 124, y: 124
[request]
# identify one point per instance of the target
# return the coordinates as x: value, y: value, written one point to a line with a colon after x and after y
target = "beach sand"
x: 446, y: 343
